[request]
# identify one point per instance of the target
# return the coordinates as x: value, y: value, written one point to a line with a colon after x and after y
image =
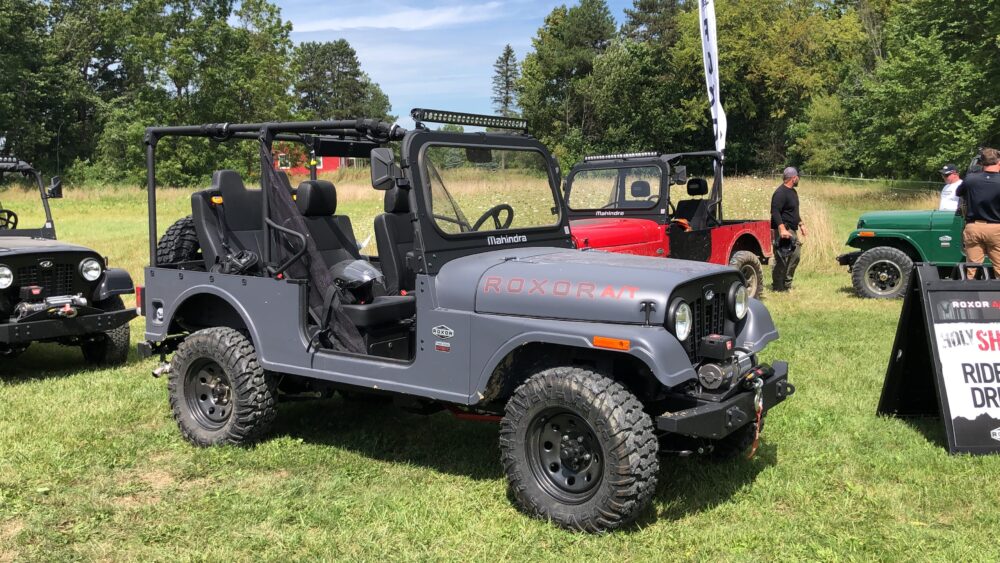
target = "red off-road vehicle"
x: 621, y: 203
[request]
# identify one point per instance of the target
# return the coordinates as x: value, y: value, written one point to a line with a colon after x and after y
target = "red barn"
x: 285, y: 161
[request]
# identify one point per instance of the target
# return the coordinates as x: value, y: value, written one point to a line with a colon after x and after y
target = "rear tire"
x: 109, y: 348
x: 179, y: 243
x: 218, y: 392
x: 578, y: 450
x: 749, y: 265
x: 882, y: 272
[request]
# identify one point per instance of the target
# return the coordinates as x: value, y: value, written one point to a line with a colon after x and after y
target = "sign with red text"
x: 949, y: 337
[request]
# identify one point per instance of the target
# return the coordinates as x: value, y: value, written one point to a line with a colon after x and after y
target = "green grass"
x: 92, y: 467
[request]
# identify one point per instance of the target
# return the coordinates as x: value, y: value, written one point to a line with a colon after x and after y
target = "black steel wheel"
x: 881, y: 273
x: 565, y: 454
x: 749, y: 265
x: 218, y: 392
x: 108, y: 348
x: 578, y: 450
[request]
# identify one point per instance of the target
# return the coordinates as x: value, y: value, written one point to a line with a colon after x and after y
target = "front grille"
x: 57, y: 280
x: 709, y: 318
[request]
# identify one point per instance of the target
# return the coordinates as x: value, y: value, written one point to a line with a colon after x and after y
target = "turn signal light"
x: 612, y: 343
x: 216, y: 200
x: 866, y: 234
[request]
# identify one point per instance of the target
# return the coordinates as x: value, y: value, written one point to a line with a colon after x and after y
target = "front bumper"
x: 849, y: 259
x: 54, y: 328
x: 718, y: 420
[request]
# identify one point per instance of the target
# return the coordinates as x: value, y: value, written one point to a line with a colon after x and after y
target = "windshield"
x: 483, y: 189
x: 635, y: 187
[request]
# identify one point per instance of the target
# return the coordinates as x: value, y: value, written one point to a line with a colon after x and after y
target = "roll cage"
x: 357, y: 138
x: 13, y: 165
x: 672, y: 173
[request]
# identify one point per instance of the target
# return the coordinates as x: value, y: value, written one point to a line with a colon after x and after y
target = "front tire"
x: 108, y: 348
x: 882, y: 272
x: 749, y: 265
x: 219, y: 394
x: 578, y: 450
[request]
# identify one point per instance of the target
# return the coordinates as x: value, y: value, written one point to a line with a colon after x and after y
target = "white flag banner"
x: 710, y: 53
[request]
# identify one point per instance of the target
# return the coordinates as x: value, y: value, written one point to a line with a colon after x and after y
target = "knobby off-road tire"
x: 749, y: 265
x: 109, y: 348
x: 219, y: 394
x: 179, y: 243
x: 553, y: 422
x: 736, y: 444
x: 882, y: 272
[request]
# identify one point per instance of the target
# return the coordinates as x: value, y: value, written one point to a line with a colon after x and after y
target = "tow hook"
x: 163, y: 368
x: 67, y: 311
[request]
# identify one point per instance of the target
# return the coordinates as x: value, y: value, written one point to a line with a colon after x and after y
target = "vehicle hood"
x: 13, y: 246
x: 584, y: 285
x: 612, y: 232
x: 905, y: 220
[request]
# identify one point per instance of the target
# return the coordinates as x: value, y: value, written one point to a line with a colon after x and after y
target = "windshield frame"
x: 428, y: 196
x: 619, y: 166
x: 436, y: 248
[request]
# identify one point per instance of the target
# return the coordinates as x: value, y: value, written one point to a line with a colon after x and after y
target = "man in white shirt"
x: 949, y: 199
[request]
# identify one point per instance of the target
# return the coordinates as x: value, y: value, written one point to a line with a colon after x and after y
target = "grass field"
x: 92, y: 466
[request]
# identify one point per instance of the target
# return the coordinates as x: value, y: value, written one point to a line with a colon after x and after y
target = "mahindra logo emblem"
x: 45, y: 263
x: 709, y: 294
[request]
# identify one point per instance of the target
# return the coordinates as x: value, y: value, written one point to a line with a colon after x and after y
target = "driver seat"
x: 394, y: 237
x: 695, y: 211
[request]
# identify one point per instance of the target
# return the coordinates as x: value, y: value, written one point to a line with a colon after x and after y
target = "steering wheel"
x: 8, y: 220
x: 463, y: 226
x: 494, y: 212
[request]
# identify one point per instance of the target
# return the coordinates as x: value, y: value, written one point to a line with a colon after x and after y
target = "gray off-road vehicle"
x: 593, y: 363
x: 51, y: 291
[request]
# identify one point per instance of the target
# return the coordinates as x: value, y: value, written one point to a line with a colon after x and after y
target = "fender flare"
x: 115, y: 281
x: 863, y: 244
x: 225, y: 296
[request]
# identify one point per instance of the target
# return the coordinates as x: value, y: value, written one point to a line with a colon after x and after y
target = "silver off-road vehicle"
x: 593, y: 363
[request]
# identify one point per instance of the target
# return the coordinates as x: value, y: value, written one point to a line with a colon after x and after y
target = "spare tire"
x: 179, y: 243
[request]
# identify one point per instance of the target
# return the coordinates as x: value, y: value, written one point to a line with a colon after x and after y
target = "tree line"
x: 80, y: 80
x: 892, y: 88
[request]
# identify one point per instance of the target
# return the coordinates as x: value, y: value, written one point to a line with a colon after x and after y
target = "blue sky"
x: 436, y: 53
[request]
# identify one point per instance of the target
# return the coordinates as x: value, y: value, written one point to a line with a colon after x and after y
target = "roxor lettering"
x: 558, y: 288
x: 989, y: 340
x: 981, y: 373
x: 986, y: 397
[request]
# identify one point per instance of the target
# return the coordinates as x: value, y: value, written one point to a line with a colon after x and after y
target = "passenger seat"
x: 317, y: 201
x: 394, y: 238
x: 239, y: 216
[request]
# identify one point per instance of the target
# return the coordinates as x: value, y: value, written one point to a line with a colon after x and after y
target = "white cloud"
x: 406, y: 19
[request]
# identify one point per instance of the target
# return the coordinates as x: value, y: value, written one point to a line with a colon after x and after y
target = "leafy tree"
x: 505, y: 77
x: 551, y: 89
x: 330, y: 84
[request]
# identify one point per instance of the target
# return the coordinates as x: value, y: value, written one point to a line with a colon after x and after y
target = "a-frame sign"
x: 946, y: 359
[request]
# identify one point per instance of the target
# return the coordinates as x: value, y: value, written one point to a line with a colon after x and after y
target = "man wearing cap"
x: 949, y: 199
x: 786, y: 224
x: 981, y: 191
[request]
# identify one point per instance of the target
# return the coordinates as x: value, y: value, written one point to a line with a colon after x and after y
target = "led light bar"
x: 471, y: 119
x: 621, y: 156
x: 10, y: 159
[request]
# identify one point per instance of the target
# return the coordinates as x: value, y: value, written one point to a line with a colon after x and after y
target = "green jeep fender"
x: 925, y: 236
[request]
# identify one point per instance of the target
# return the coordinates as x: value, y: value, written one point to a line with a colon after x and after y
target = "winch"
x: 33, y: 301
x: 727, y: 362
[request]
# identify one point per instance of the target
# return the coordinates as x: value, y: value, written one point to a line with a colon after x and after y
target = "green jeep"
x: 889, y: 242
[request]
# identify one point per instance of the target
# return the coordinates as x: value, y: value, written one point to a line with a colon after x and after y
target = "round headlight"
x: 6, y: 277
x: 681, y: 319
x: 738, y: 301
x: 90, y: 269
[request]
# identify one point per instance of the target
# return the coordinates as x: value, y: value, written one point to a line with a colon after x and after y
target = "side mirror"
x: 680, y: 175
x: 697, y: 186
x: 55, y: 190
x: 384, y: 169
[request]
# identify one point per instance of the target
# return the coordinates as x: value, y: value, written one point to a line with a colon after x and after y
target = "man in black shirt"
x: 786, y: 224
x: 981, y: 191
